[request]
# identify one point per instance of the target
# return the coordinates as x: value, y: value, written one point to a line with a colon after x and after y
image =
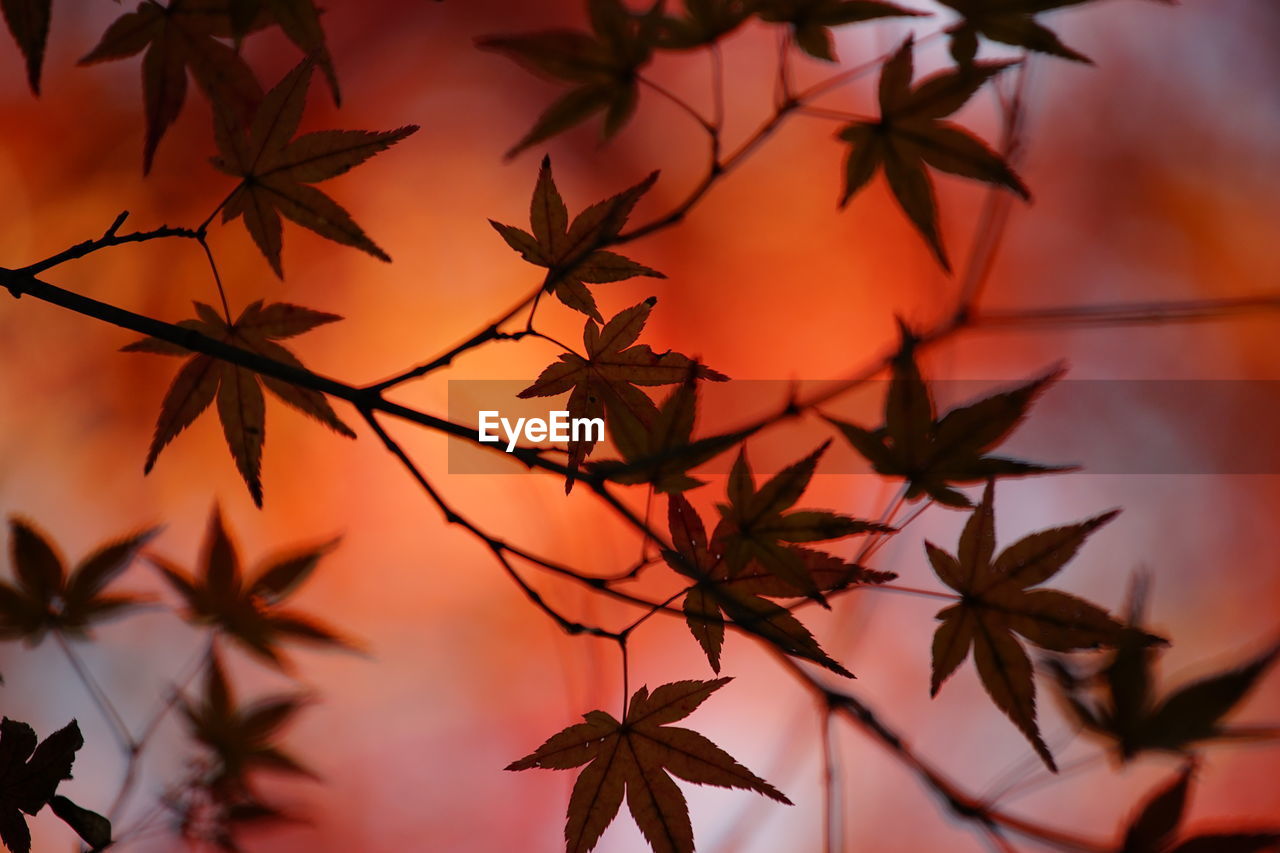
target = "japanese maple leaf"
x: 29, y: 779
x: 638, y: 757
x: 757, y: 526
x: 242, y: 739
x: 602, y: 67
x: 741, y: 597
x: 1117, y: 702
x: 238, y: 390
x: 248, y: 609
x: 657, y: 446
x: 1154, y: 827
x: 185, y: 36
x: 811, y: 20
x: 997, y: 601
x: 298, y: 19
x: 28, y: 22
x: 572, y: 253
x: 1009, y: 22
x: 604, y: 383
x: 276, y: 171
x: 933, y: 453
x: 48, y: 598
x: 911, y: 134
x: 703, y: 22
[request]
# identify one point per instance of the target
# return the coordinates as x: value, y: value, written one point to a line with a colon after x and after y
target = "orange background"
x: 1154, y: 176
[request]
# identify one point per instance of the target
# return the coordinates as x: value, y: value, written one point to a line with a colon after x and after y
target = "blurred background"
x: 1154, y: 178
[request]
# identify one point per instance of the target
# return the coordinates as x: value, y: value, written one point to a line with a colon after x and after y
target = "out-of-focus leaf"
x: 996, y: 601
x: 1154, y: 828
x: 636, y: 758
x: 911, y: 135
x: 933, y: 454
x: 702, y: 22
x: 28, y: 21
x: 248, y: 609
x: 238, y: 390
x: 811, y: 21
x: 276, y: 170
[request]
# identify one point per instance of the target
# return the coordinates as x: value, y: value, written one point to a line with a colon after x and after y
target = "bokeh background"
x: 1155, y: 178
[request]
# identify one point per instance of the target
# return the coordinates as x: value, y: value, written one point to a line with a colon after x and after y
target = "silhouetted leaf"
x: 637, y: 757
x: 661, y: 450
x: 1010, y: 22
x: 811, y: 20
x: 47, y: 598
x: 934, y: 453
x: 703, y: 22
x: 602, y: 66
x: 249, y: 610
x: 718, y: 594
x: 1154, y: 828
x: 1117, y: 702
x: 238, y: 390
x: 30, y: 775
x: 28, y: 21
x: 911, y: 135
x: 300, y: 21
x: 92, y: 827
x: 997, y: 602
x: 572, y: 253
x: 277, y: 171
x: 605, y: 382
x: 756, y: 527
x: 241, y: 738
x: 180, y: 38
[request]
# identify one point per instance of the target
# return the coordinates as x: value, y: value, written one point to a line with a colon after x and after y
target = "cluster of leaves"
x: 637, y: 758
x: 30, y: 774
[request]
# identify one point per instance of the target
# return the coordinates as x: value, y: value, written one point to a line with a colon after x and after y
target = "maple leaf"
x: 238, y: 390
x: 28, y: 22
x: 638, y: 757
x: 933, y: 453
x: 1117, y: 702
x: 657, y: 445
x: 602, y: 66
x: 47, y: 598
x: 249, y: 610
x: 604, y: 383
x: 572, y: 253
x: 997, y: 601
x: 183, y: 37
x: 755, y: 525
x: 811, y: 21
x: 1010, y: 22
x: 276, y: 171
x: 911, y: 134
x: 242, y: 739
x: 703, y: 23
x: 1154, y: 828
x: 29, y: 779
x: 740, y: 597
x: 298, y: 19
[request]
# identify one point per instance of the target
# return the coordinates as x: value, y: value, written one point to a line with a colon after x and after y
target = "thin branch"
x: 99, y: 696
x: 705, y: 123
x: 111, y: 237
x: 1127, y: 314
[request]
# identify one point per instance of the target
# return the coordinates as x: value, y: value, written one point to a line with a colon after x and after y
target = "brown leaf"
x: 238, y: 390
x: 637, y: 758
x: 28, y: 21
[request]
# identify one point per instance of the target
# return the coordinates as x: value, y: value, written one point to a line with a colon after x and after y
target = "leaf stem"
x: 97, y: 694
